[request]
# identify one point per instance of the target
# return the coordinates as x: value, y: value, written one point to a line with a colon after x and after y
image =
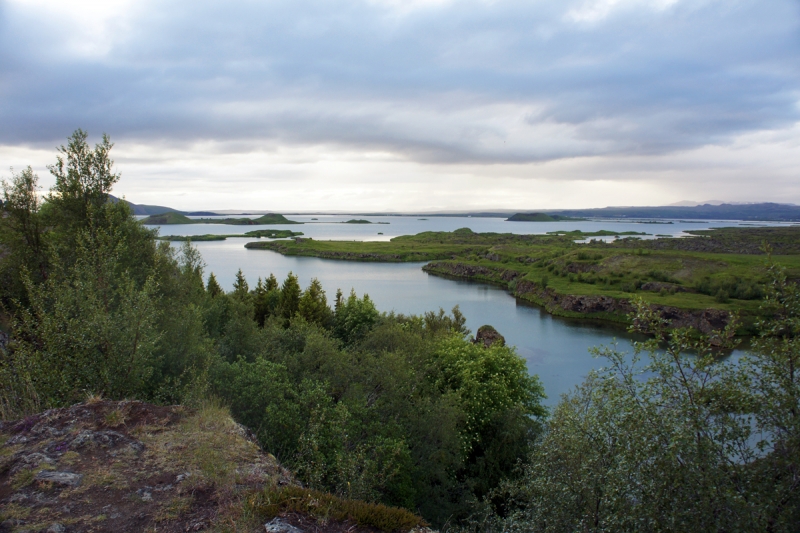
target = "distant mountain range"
x: 708, y: 211
x: 763, y: 211
x: 143, y: 209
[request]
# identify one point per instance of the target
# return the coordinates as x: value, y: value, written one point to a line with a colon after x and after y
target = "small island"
x: 541, y: 217
x: 361, y: 221
x: 173, y: 217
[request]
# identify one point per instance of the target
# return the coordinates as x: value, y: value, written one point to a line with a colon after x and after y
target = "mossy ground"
x: 148, y: 468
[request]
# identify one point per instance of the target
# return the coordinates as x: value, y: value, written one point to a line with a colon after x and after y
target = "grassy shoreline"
x: 698, y: 280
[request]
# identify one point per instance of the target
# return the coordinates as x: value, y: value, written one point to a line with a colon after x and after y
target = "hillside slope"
x: 131, y: 466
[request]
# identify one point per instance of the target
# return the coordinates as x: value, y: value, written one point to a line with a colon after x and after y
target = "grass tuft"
x: 323, y: 506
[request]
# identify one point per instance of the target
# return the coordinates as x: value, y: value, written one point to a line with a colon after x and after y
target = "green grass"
x: 273, y: 502
x: 682, y: 278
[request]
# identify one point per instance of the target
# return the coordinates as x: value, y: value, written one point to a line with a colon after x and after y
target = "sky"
x: 414, y: 105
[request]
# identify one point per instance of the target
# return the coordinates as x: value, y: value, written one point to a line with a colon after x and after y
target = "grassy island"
x: 361, y: 221
x: 701, y: 279
x: 177, y: 218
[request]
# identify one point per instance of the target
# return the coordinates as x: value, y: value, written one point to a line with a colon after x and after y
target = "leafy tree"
x: 22, y: 235
x: 442, y: 322
x: 682, y: 443
x: 354, y: 317
x: 88, y: 329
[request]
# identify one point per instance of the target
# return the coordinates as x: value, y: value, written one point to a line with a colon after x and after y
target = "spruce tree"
x: 213, y: 288
x: 313, y: 304
x: 240, y: 288
x: 290, y: 297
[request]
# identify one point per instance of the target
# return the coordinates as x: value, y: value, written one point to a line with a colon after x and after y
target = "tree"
x: 241, y: 290
x: 313, y: 305
x: 290, y: 297
x: 22, y: 235
x: 89, y: 328
x: 84, y: 179
x: 213, y: 288
x: 354, y: 317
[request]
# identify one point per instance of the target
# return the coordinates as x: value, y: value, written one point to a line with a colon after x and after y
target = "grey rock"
x: 60, y: 478
x: 276, y: 525
x: 56, y: 528
x: 36, y: 458
x: 17, y: 439
x: 97, y: 438
x: 145, y: 494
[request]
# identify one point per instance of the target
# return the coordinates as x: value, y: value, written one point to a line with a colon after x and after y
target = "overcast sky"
x: 411, y: 105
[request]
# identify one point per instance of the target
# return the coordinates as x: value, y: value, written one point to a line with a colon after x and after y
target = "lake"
x: 556, y: 349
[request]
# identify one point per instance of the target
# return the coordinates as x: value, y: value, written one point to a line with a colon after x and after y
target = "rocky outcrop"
x: 126, y: 466
x: 487, y: 336
x: 130, y: 466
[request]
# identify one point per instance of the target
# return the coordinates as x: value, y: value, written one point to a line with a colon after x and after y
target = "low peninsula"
x: 541, y: 217
x: 697, y: 281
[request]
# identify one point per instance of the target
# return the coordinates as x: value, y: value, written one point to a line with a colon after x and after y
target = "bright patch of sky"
x: 412, y: 105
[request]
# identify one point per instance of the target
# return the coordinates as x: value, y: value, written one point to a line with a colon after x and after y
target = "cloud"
x: 451, y: 81
x: 570, y: 90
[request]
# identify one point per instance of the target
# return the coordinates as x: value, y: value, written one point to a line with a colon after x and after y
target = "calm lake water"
x: 556, y: 349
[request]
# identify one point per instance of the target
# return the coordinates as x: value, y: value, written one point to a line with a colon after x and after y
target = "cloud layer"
x: 461, y: 85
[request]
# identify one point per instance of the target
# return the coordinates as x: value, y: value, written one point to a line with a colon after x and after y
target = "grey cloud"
x: 341, y: 72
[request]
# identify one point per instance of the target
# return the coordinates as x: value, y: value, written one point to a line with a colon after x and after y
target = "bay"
x: 556, y: 349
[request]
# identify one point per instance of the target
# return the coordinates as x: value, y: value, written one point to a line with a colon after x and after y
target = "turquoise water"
x: 556, y: 349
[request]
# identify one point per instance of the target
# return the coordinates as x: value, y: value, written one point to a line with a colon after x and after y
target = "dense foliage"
x: 403, y: 410
x: 679, y: 443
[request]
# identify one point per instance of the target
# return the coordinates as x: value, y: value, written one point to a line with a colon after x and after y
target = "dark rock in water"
x: 488, y: 336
